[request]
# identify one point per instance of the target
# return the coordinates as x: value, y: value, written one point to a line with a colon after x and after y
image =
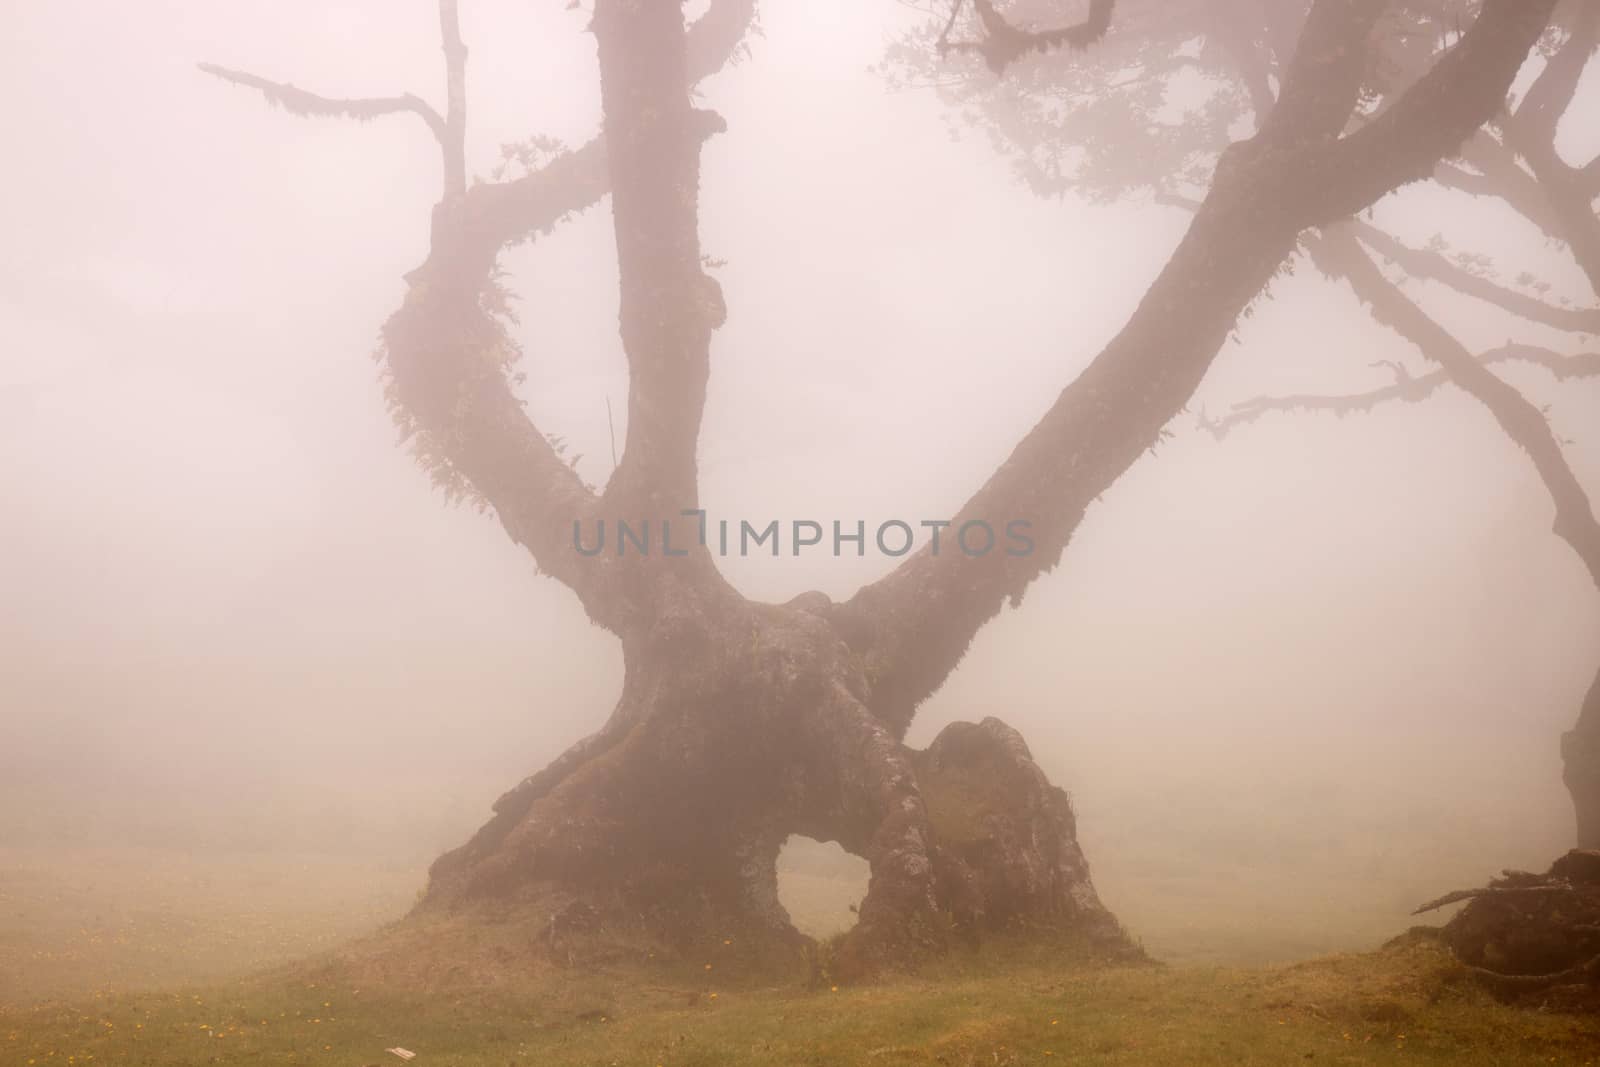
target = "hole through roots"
x: 820, y: 885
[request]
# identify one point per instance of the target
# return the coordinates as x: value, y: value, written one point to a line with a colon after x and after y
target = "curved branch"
x: 1407, y: 390
x: 1523, y: 983
x: 913, y: 626
x: 504, y: 213
x: 1523, y: 422
x: 298, y: 101
x: 446, y: 351
x: 1422, y: 263
x: 1498, y: 175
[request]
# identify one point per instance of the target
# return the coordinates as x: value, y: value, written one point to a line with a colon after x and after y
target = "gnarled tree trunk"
x: 746, y: 724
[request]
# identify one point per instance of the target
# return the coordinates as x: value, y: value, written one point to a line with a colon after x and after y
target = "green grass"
x: 132, y: 958
x: 1407, y: 1004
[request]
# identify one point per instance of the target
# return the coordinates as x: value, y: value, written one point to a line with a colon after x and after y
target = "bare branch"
x: 1409, y: 391
x: 298, y: 101
x: 1003, y: 43
x: 1497, y: 174
x: 1339, y: 252
x: 503, y: 213
x: 1422, y: 263
x: 1493, y: 891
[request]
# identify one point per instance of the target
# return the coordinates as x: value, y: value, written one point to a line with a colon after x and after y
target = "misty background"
x: 1297, y: 681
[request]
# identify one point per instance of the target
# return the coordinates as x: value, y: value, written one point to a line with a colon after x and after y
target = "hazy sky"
x: 220, y: 579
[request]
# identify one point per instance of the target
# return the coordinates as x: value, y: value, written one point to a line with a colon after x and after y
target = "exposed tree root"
x: 1526, y: 934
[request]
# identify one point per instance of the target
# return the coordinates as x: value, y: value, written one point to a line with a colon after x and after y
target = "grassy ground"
x: 86, y: 921
x: 134, y: 959
x: 1404, y: 1005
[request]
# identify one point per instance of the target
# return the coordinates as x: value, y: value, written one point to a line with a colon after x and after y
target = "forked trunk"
x: 741, y: 727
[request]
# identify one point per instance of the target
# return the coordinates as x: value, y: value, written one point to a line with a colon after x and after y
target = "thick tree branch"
x: 1338, y: 252
x: 913, y: 626
x: 1552, y: 93
x: 1405, y: 389
x: 1325, y: 76
x: 1531, y: 132
x: 446, y: 352
x: 670, y: 306
x: 1252, y: 63
x: 1422, y: 263
x: 669, y: 309
x: 1497, y: 174
x: 1431, y: 120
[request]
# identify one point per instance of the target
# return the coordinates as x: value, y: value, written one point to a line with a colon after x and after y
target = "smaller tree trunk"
x: 1580, y: 757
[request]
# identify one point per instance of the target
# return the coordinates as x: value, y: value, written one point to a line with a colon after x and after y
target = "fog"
x: 1322, y: 663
